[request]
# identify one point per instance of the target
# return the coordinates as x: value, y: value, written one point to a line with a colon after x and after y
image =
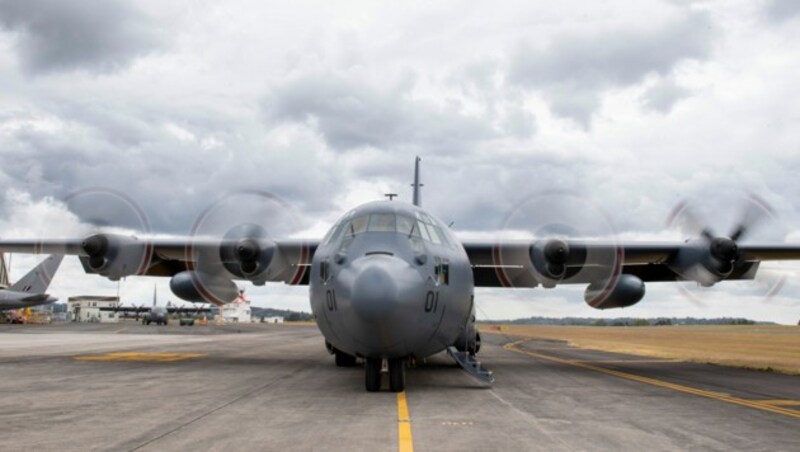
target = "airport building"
x: 86, y: 308
x: 276, y: 319
x: 236, y: 312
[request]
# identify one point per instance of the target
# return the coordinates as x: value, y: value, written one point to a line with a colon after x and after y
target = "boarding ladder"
x: 470, y: 365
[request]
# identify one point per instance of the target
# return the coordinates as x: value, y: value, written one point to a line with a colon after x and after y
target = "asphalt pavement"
x: 275, y: 387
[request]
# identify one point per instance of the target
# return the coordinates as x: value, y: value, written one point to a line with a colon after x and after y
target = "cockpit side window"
x: 433, y: 232
x: 423, y: 230
x: 407, y: 226
x: 424, y: 227
x: 357, y: 226
x: 441, y: 270
x: 334, y: 233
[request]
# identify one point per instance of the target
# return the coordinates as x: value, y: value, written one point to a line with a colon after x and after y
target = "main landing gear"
x: 344, y: 360
x: 397, y: 374
x: 372, y: 373
x: 374, y: 369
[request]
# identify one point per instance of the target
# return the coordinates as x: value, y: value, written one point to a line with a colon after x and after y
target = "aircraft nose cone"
x: 374, y: 292
x: 379, y: 287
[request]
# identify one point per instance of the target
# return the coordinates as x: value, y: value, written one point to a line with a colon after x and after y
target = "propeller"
x: 111, y: 246
x: 138, y: 311
x: 709, y: 257
x: 233, y: 239
x: 549, y: 220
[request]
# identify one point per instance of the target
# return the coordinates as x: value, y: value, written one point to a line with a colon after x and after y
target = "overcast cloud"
x: 630, y: 107
x: 574, y: 68
x: 53, y: 35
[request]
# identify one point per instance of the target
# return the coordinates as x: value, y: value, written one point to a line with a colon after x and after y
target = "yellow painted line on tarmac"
x: 626, y: 361
x: 779, y: 402
x: 139, y: 357
x: 405, y: 442
x: 759, y: 405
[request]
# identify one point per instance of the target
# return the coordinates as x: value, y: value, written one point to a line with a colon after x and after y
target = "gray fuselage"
x: 157, y: 314
x: 390, y: 281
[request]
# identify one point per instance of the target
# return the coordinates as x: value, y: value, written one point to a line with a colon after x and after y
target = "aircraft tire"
x: 397, y: 375
x: 477, y: 346
x: 344, y: 360
x: 372, y: 374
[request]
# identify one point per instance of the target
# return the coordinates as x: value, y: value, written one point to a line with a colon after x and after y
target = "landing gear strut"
x: 372, y: 373
x: 397, y: 375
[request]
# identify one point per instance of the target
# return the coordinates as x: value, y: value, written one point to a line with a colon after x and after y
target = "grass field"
x: 759, y: 347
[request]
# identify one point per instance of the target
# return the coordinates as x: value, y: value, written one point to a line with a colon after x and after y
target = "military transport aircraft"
x: 390, y: 282
x: 30, y: 289
x: 158, y: 314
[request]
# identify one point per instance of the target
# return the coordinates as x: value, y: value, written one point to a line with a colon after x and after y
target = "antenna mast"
x: 417, y: 198
x: 3, y: 271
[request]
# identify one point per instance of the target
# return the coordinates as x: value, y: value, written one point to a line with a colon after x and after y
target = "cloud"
x: 172, y: 173
x: 351, y: 113
x: 53, y: 35
x: 782, y: 10
x: 573, y: 70
x: 40, y: 215
x: 663, y: 95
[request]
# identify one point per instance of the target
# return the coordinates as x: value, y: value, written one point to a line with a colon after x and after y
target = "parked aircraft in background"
x: 155, y: 313
x: 390, y: 282
x: 30, y: 289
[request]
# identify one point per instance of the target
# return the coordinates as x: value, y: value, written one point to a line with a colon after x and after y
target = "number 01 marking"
x: 431, y: 301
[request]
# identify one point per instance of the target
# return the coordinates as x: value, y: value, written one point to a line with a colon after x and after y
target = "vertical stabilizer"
x: 38, y: 280
x: 417, y: 186
x: 3, y: 271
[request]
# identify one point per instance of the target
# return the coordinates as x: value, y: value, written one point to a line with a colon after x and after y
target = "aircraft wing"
x: 290, y: 261
x: 116, y: 256
x: 554, y: 262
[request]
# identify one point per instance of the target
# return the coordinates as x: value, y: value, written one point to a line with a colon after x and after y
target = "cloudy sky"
x: 630, y: 107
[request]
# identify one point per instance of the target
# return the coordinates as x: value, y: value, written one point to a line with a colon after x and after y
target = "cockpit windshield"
x: 382, y: 222
x: 420, y: 226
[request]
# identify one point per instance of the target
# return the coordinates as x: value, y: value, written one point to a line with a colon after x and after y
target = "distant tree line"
x: 289, y: 316
x: 632, y: 321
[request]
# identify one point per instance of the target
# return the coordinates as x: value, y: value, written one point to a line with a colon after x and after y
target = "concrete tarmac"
x: 274, y: 387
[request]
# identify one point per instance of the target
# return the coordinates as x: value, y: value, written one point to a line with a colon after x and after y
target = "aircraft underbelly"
x: 425, y: 325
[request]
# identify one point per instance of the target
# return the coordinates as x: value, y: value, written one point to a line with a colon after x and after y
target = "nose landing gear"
x: 397, y: 374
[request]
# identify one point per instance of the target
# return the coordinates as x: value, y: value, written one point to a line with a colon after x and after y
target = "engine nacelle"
x: 705, y: 262
x: 115, y: 256
x: 549, y: 259
x: 628, y: 291
x: 201, y: 287
x: 247, y: 252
